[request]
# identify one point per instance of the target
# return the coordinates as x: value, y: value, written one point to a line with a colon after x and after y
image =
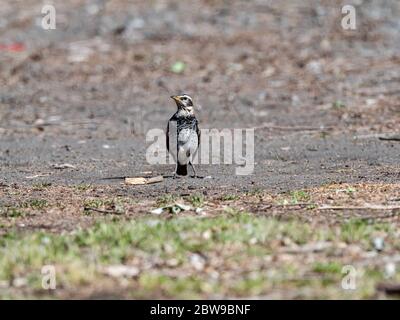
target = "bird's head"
x: 184, y: 101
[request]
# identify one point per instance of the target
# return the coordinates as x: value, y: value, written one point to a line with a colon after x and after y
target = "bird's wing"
x: 167, y: 137
x: 173, y: 118
x: 198, y: 131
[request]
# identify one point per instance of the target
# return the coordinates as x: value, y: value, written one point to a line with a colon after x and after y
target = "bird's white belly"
x: 185, y: 135
x: 187, y: 145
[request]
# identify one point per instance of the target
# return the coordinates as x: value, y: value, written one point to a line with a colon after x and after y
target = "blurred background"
x: 246, y: 62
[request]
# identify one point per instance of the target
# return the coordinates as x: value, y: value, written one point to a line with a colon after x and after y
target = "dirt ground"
x: 320, y: 98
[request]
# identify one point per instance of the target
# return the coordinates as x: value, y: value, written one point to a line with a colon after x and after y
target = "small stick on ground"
x: 392, y: 138
x: 102, y: 211
x: 293, y: 128
x: 359, y: 208
x: 300, y: 204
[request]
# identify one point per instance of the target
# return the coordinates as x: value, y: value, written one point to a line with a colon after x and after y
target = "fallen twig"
x: 300, y: 204
x: 48, y: 124
x: 372, y: 207
x: 38, y: 176
x: 102, y: 211
x: 374, y: 135
x: 392, y: 138
x: 62, y: 166
x: 292, y: 128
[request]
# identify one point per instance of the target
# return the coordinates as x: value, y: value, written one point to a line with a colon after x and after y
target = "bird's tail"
x: 181, y: 170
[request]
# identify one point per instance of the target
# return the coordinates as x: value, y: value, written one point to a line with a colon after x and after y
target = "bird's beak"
x: 176, y: 98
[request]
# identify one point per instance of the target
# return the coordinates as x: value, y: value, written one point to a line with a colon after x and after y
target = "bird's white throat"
x: 186, y: 111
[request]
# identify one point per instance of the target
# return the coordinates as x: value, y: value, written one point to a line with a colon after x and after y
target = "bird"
x: 183, y: 135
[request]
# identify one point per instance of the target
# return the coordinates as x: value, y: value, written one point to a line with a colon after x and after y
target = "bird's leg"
x: 194, y: 170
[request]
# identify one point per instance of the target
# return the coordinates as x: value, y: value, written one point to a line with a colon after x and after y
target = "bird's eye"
x: 184, y: 98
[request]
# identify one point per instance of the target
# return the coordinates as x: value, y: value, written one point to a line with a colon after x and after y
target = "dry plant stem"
x: 359, y: 208
x: 102, y: 211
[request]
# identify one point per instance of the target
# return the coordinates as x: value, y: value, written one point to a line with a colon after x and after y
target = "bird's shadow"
x: 182, y: 177
x: 166, y: 176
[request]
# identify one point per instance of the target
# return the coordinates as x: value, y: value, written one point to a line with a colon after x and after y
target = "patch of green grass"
x: 360, y: 230
x: 299, y: 196
x: 324, y: 134
x: 350, y: 190
x: 166, y: 200
x: 230, y: 197
x: 295, y: 197
x: 197, y: 200
x: 19, y: 209
x: 250, y: 285
x: 41, y: 186
x: 37, y: 204
x: 96, y: 203
x: 116, y: 205
x: 11, y: 212
x: 190, y: 287
x: 113, y: 242
x: 338, y: 104
x: 233, y: 211
x: 255, y: 192
x: 228, y: 241
x: 83, y: 187
x: 328, y: 267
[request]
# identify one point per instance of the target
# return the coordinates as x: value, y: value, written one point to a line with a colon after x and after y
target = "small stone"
x: 20, y: 282
x: 117, y: 271
x: 64, y: 166
x: 314, y: 67
x: 253, y: 241
x: 378, y: 243
x: 157, y: 211
x: 268, y: 72
x: 390, y: 270
x: 197, y: 261
x: 207, y: 235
